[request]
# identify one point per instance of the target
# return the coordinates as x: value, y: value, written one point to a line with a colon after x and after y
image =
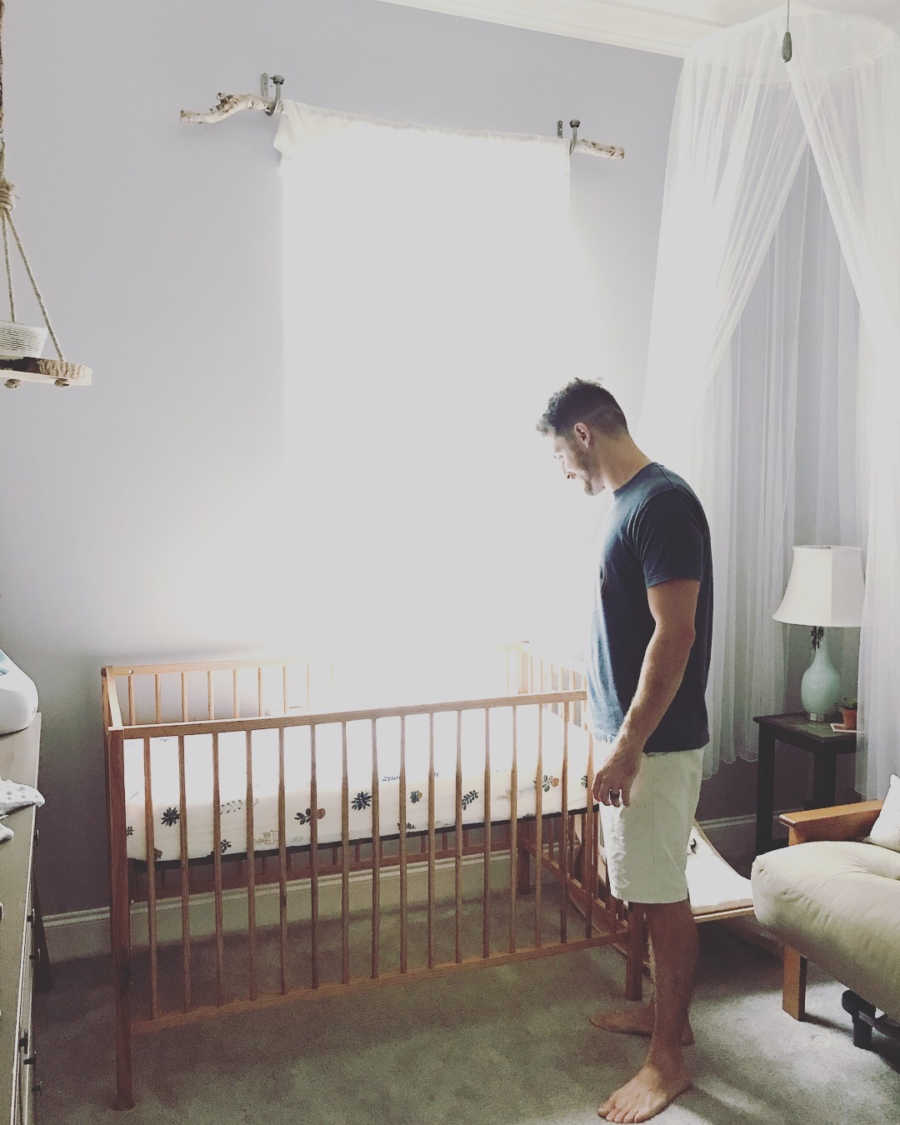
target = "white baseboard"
x: 85, y: 933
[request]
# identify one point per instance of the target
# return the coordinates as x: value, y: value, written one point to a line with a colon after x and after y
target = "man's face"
x: 575, y: 461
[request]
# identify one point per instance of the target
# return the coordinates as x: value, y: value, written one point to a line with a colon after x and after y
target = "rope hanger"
x: 17, y: 340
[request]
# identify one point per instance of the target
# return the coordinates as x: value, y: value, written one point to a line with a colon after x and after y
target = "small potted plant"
x: 848, y: 712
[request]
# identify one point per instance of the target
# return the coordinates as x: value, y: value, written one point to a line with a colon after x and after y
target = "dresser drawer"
x: 26, y: 1057
x: 18, y: 937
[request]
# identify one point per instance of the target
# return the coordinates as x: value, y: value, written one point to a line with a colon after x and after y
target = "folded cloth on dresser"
x: 232, y: 754
x: 15, y: 796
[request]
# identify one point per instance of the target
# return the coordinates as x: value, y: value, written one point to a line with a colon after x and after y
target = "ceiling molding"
x: 651, y: 25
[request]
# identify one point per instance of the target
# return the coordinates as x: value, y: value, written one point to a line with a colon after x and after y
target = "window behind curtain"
x: 430, y: 293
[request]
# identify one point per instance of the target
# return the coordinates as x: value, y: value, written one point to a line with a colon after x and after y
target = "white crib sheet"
x: 233, y: 780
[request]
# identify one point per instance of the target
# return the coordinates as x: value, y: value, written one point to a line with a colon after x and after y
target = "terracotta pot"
x: 849, y: 718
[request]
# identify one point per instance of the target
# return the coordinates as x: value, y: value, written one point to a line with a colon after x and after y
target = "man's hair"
x: 581, y: 401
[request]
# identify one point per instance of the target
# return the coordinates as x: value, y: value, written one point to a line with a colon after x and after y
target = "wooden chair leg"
x: 634, y: 961
x: 794, y: 993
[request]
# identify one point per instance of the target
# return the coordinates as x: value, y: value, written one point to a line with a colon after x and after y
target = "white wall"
x: 136, y: 516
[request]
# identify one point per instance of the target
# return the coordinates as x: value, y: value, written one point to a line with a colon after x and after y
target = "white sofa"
x: 835, y: 900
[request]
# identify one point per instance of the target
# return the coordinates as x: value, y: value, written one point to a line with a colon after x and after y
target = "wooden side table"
x: 796, y: 730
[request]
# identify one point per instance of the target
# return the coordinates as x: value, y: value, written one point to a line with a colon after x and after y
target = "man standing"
x: 647, y: 668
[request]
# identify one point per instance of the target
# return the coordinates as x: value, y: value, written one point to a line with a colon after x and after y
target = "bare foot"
x: 633, y: 1021
x: 647, y: 1094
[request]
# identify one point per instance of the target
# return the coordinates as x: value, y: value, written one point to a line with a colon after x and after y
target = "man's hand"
x: 612, y: 785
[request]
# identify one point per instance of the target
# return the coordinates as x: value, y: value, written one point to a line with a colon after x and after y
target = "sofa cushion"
x: 837, y: 903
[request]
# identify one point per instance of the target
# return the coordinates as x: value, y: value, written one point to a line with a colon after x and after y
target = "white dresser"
x: 20, y: 936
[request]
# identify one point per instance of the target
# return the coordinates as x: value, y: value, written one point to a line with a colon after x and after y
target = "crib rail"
x: 546, y: 840
x: 275, y: 722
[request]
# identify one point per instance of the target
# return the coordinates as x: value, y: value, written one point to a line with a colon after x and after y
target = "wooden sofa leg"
x: 794, y: 993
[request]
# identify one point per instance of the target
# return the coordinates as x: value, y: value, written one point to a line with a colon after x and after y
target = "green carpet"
x: 507, y: 1046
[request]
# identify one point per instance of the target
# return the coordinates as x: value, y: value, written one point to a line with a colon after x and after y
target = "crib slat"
x: 151, y: 883
x: 376, y: 857
x: 282, y: 861
x: 156, y: 696
x: 589, y: 853
x: 185, y: 877
x: 539, y: 824
x: 131, y: 699
x: 431, y: 840
x: 314, y: 856
x: 251, y: 867
x: 486, y: 915
x: 184, y: 698
x: 513, y: 829
x: 564, y: 832
x: 403, y: 889
x: 345, y: 860
x: 217, y: 867
x: 459, y: 837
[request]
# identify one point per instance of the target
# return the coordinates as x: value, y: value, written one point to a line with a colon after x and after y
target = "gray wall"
x: 134, y: 513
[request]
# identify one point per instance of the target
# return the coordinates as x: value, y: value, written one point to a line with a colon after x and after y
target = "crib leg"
x: 120, y: 922
x: 634, y: 959
x: 524, y: 864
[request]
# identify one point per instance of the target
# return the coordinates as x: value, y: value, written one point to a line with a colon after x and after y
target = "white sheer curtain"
x: 739, y: 135
x: 429, y: 279
x: 777, y: 461
x: 848, y: 91
x: 734, y: 147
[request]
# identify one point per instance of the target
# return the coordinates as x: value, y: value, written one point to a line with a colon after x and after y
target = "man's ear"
x: 582, y: 434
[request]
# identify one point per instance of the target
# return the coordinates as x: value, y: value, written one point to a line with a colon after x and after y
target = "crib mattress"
x: 165, y: 781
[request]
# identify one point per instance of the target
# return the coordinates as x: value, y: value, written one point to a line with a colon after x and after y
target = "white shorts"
x: 646, y: 843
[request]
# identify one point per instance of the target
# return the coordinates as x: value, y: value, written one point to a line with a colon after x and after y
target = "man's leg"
x: 637, y: 1019
x: 673, y: 937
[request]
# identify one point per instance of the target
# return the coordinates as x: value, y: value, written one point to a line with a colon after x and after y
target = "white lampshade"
x: 825, y: 588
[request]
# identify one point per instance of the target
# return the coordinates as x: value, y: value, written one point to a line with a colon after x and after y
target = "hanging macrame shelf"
x: 34, y: 369
x: 21, y: 344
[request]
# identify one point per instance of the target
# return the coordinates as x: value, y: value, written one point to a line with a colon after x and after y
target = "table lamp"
x: 825, y: 590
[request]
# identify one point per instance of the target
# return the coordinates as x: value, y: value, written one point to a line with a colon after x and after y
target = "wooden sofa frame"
x: 840, y: 822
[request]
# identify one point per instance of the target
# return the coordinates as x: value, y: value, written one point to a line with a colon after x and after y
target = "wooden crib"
x: 173, y: 904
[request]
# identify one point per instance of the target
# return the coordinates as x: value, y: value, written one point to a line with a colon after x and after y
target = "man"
x: 647, y: 667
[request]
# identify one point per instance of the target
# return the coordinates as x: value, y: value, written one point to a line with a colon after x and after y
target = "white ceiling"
x: 668, y: 27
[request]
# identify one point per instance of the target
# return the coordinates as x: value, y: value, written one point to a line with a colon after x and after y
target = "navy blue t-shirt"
x: 656, y: 532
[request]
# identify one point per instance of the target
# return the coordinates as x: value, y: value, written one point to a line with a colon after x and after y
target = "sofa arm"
x: 840, y: 822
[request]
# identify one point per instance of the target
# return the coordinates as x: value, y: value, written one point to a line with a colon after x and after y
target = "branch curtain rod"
x: 269, y: 103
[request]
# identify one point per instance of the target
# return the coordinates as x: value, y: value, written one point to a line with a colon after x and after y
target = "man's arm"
x: 674, y: 607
